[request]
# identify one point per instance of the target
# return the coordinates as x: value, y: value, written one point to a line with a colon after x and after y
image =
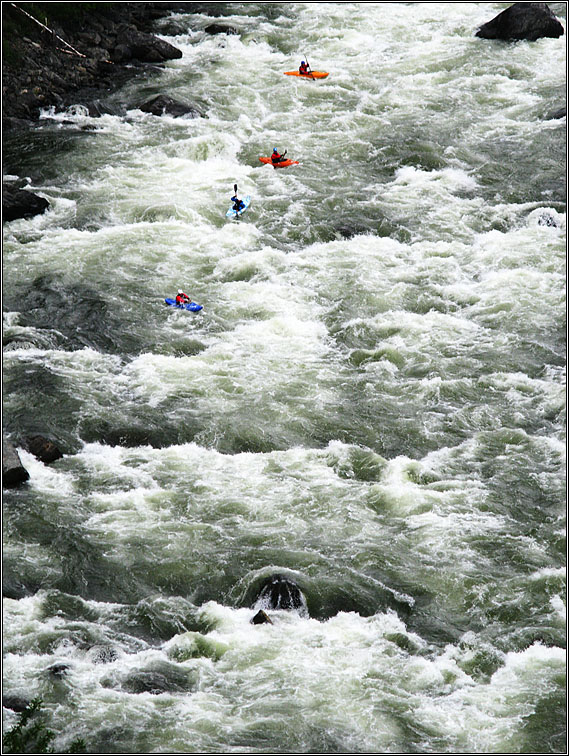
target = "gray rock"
x: 13, y: 472
x: 143, y: 47
x: 160, y: 677
x: 20, y: 203
x: 529, y: 21
x: 164, y: 104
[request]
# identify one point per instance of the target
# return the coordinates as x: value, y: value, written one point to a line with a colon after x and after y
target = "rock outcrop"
x: 86, y: 48
x: 146, y: 48
x: 280, y: 592
x: 13, y: 471
x: 20, y: 203
x: 164, y: 104
x: 529, y: 21
x: 43, y: 449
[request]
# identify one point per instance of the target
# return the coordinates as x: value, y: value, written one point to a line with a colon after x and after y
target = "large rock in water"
x: 147, y: 48
x: 13, y: 471
x: 44, y: 449
x: 529, y: 21
x: 19, y: 203
x: 163, y: 104
x: 279, y: 592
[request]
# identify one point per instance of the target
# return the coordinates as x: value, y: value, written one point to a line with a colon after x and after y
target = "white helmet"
x: 180, y: 291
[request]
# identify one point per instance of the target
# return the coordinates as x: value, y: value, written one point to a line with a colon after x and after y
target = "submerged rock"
x: 164, y: 104
x: 15, y: 703
x: 19, y: 203
x: 280, y: 592
x: 59, y: 670
x: 44, y: 449
x: 220, y: 29
x: 13, y: 471
x: 261, y: 618
x: 529, y: 21
x: 157, y: 678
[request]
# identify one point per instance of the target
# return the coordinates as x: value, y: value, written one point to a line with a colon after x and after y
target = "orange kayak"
x: 311, y: 75
x: 282, y: 164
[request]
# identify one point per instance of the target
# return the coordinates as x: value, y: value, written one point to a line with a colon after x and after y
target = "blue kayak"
x: 191, y: 306
x: 231, y: 212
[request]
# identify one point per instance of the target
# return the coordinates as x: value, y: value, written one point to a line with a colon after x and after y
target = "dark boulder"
x: 560, y: 113
x: 13, y: 471
x: 44, y: 449
x: 261, y: 618
x: 280, y: 592
x: 163, y: 104
x: 98, y: 108
x: 15, y: 703
x: 19, y: 203
x: 146, y: 48
x: 220, y: 29
x: 529, y: 21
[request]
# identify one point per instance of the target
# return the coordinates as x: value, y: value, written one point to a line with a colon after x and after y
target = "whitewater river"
x: 371, y: 402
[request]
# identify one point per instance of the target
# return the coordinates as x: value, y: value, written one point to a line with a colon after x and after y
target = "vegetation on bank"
x: 31, y: 734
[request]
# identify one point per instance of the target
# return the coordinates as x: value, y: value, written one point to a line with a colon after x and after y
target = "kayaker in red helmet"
x: 276, y: 157
x: 182, y: 298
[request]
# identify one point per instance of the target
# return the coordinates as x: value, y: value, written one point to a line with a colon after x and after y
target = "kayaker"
x: 238, y: 204
x: 276, y: 157
x: 304, y: 69
x: 182, y: 298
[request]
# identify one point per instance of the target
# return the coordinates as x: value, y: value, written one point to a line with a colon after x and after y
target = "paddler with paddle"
x: 304, y: 68
x: 238, y: 204
x: 276, y: 157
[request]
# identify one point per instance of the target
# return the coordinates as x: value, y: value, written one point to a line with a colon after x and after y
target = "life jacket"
x: 275, y: 157
x: 303, y: 68
x: 181, y: 298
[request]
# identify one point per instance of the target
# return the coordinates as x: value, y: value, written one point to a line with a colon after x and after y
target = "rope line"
x: 76, y: 52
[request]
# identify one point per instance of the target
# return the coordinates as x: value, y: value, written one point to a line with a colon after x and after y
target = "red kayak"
x: 281, y: 164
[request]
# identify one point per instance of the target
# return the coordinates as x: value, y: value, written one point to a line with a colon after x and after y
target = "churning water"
x: 371, y: 402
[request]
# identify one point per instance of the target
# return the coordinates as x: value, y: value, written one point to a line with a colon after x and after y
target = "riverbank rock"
x: 20, y: 203
x: 147, y: 48
x: 13, y: 471
x: 163, y: 104
x: 43, y: 449
x: 88, y: 46
x: 529, y: 21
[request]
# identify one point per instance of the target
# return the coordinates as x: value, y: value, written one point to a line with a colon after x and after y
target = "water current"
x: 371, y: 401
